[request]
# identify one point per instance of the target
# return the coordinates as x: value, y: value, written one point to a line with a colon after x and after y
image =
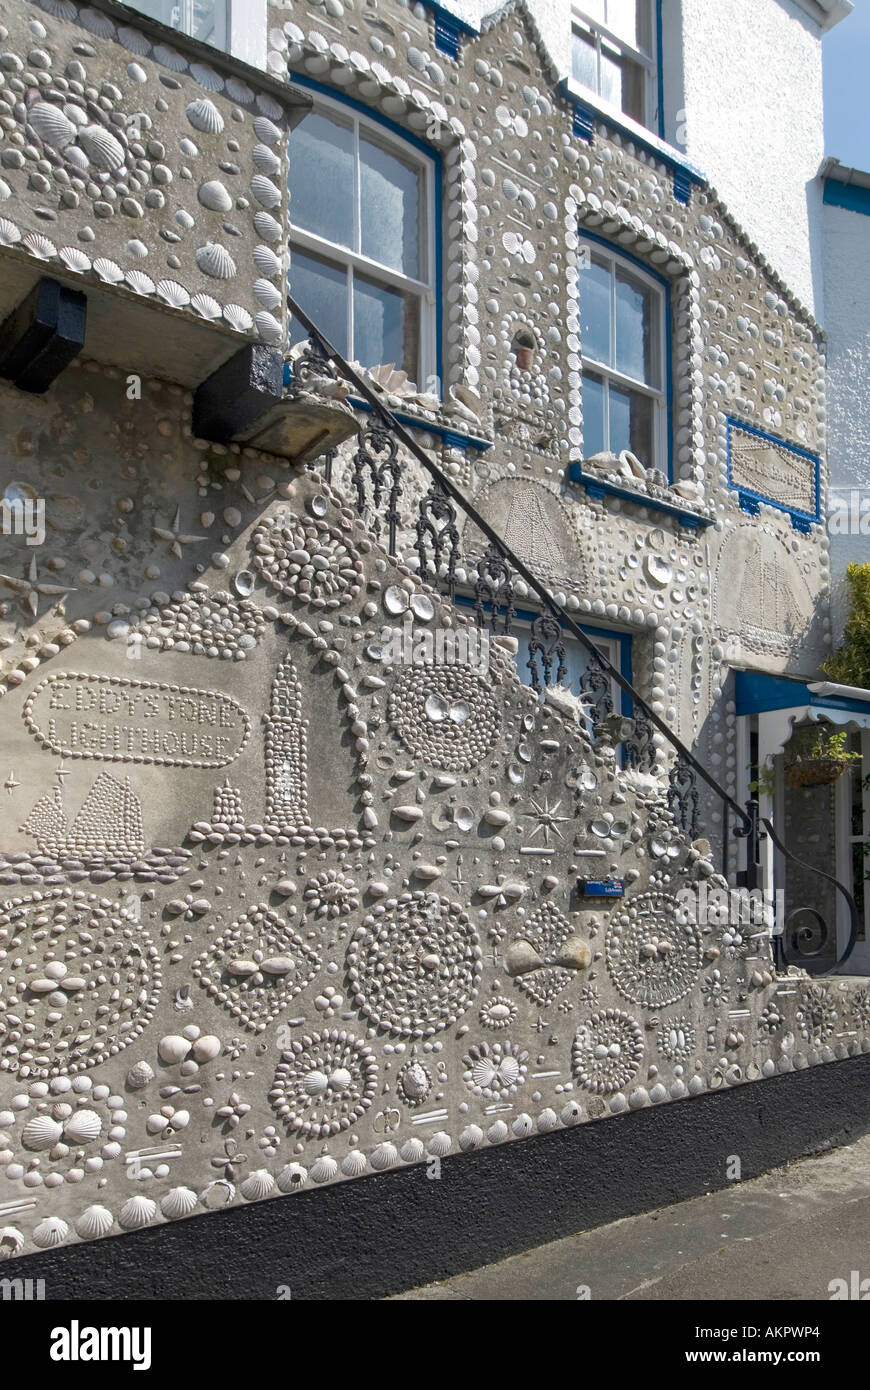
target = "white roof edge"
x: 826, y: 13
x: 843, y: 692
x: 841, y: 173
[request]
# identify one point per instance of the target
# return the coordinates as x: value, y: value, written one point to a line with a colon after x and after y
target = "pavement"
x: 784, y: 1236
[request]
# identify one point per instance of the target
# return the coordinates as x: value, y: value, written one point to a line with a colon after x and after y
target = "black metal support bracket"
x: 239, y: 393
x: 42, y: 336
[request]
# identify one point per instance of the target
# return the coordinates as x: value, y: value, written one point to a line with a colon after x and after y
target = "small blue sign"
x: 601, y: 887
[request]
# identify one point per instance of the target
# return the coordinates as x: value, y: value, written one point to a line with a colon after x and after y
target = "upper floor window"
x: 612, y: 54
x: 205, y: 20
x: 623, y: 328
x: 362, y: 239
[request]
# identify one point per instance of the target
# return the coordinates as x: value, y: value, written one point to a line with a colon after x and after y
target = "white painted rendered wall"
x: 847, y: 301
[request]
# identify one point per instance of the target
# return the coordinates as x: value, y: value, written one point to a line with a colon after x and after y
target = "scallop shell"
x: 354, y: 1164
x: 205, y: 306
x: 96, y: 23
x: 265, y: 191
x: 133, y: 40
x: 292, y: 1177
x: 523, y: 1125
x: 173, y: 294
x: 440, y: 1144
x: 266, y: 160
x: 239, y: 91
x: 51, y: 1231
x: 9, y: 233
x: 323, y: 1168
x: 216, y: 261
x: 385, y: 1155
x: 266, y: 131
x: 95, y: 1221
x: 74, y: 259
x: 207, y: 77
x: 82, y: 1127
x: 266, y: 261
x: 204, y: 115
x: 547, y: 1121
x: 497, y: 1133
x: 268, y: 327
x: 471, y: 1138
x: 257, y: 1185
x: 238, y: 318
x: 139, y: 282
x: 108, y: 271
x: 170, y: 57
x: 413, y: 1150
x: 77, y: 158
x: 139, y: 1076
x: 137, y: 1212
x: 212, y: 194
x: 217, y: 1194
x: 101, y: 147
x: 51, y: 125
x: 266, y: 226
x: 266, y: 292
x: 41, y: 1132
x: 39, y: 246
x: 11, y: 1241
x: 178, y: 1202
x: 137, y: 248
x: 172, y: 1048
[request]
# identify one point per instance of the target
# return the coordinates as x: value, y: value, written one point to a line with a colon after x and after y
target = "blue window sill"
x: 597, y: 488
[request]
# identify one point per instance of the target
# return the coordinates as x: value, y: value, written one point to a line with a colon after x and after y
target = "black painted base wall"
x: 397, y: 1230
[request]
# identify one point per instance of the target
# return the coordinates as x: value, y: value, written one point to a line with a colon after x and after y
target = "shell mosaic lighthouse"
x: 423, y: 655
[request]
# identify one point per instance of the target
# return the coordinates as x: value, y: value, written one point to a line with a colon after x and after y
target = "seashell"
x: 11, y: 1241
x: 170, y: 57
x: 292, y: 1177
x: 205, y: 1049
x: 243, y: 967
x: 137, y: 1212
x: 136, y: 73
x: 184, y: 219
x: 265, y: 191
x: 396, y: 599
x: 51, y: 125
x: 39, y: 246
x: 9, y: 233
x: 205, y: 306
x: 173, y: 1048
x: 413, y: 1150
x: 354, y: 1164
x: 108, y: 271
x: 216, y: 261
x: 266, y: 131
x: 173, y: 294
x: 96, y: 23
x: 139, y: 1076
x: 74, y: 259
x: 217, y: 1194
x: 41, y: 1132
x: 497, y: 1133
x: 523, y: 1125
x: 212, y: 194
x: 204, y: 115
x: 267, y: 293
x: 316, y: 1082
x: 547, y: 1121
x: 155, y: 1124
x: 139, y: 282
x: 422, y: 607
x: 137, y: 248
x: 570, y: 1113
x: 385, y: 1155
x: 268, y: 328
x: 257, y: 1185
x: 323, y: 1169
x: 440, y: 1144
x: 266, y: 227
x: 575, y: 954
x: 237, y: 317
x: 278, y: 965
x: 101, y: 147
x: 239, y: 91
x: 95, y: 1221
x: 133, y: 40
x: 82, y: 1127
x: 188, y: 147
x: 178, y: 1202
x: 207, y: 77
x: 266, y: 261
x: 77, y: 158
x: 463, y: 818
x: 266, y: 160
x: 521, y: 957
x: 408, y: 813
x: 50, y: 1232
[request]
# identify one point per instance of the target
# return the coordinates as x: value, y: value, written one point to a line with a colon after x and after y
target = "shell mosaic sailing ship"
x: 108, y: 822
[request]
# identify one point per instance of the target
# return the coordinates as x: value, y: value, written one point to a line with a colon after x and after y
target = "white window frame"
x: 658, y: 395
x: 352, y: 261
x: 646, y: 62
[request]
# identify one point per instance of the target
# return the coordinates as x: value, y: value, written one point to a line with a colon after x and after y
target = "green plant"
x: 765, y: 780
x: 850, y: 665
x: 819, y: 742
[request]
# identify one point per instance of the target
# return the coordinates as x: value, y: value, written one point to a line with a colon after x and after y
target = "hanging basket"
x: 814, y: 772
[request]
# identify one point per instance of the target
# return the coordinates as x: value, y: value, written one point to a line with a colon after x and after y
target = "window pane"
x: 631, y: 420
x: 622, y: 82
x: 593, y: 415
x: 386, y: 326
x: 635, y: 331
x: 593, y: 9
x: 390, y: 208
x: 595, y: 285
x: 622, y: 19
x: 321, y: 290
x: 584, y: 60
x: 321, y: 179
